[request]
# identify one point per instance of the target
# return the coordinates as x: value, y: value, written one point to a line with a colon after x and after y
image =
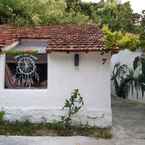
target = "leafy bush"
x: 119, y: 39
x: 130, y: 41
x: 72, y: 106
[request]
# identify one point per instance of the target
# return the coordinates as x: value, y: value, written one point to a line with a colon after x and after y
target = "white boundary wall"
x: 126, y: 57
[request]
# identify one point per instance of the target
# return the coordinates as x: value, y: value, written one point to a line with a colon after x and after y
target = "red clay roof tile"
x: 59, y: 37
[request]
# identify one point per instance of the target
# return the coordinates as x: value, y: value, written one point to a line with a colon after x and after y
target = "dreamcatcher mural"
x: 26, y: 70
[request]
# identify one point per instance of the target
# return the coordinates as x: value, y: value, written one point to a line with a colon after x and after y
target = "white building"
x: 35, y: 87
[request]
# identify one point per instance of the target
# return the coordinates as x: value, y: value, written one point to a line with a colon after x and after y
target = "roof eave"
x: 77, y: 50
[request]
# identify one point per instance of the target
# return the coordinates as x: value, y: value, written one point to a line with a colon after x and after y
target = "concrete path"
x: 128, y: 119
x: 67, y: 141
x: 51, y: 141
x: 128, y: 129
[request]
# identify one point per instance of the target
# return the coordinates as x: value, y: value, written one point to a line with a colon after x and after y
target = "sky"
x: 137, y: 5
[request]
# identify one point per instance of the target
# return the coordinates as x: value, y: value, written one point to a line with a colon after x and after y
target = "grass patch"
x: 51, y: 129
x: 135, y: 102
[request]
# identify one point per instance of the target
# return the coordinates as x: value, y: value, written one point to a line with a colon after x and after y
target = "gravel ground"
x: 128, y: 129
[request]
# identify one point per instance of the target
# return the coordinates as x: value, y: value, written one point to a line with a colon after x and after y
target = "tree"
x: 11, y: 10
x: 38, y: 12
x: 117, y: 16
x: 124, y: 19
x: 90, y: 10
x: 142, y: 34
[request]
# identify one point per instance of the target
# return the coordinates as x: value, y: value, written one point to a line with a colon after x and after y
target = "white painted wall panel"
x: 92, y: 78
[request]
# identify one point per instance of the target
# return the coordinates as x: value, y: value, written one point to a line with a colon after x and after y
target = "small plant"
x: 72, y: 105
x: 2, y: 113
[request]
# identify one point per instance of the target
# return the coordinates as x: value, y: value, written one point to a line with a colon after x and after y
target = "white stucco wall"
x: 92, y: 78
x: 126, y: 57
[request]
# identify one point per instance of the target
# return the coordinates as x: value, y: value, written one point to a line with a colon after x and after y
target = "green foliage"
x: 37, y: 12
x: 107, y: 13
x: 124, y: 20
x: 126, y: 79
x: 73, y: 5
x: 2, y: 113
x: 111, y: 38
x: 91, y: 10
x: 117, y: 16
x: 73, y: 18
x: 15, y: 11
x: 119, y: 39
x: 27, y: 128
x: 142, y: 34
x: 142, y: 39
x: 72, y: 106
x: 17, y: 52
x: 129, y: 41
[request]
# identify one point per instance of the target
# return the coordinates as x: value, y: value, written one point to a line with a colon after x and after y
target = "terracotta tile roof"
x: 7, y: 35
x: 59, y: 37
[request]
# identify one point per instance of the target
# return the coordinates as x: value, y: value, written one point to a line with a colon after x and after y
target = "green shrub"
x: 72, y: 105
x: 119, y: 39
